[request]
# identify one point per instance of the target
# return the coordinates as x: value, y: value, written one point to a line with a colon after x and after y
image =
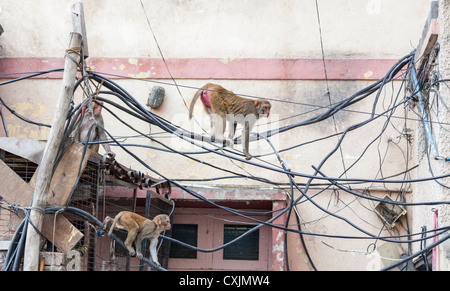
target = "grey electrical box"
x: 156, y: 97
x: 389, y: 212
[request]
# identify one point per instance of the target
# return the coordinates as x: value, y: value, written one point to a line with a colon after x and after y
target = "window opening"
x: 247, y: 248
x: 187, y: 233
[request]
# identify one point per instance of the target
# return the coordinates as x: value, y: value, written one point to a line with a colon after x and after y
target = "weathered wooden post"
x: 44, y: 175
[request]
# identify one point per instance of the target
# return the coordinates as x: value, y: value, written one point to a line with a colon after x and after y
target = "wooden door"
x: 212, y: 228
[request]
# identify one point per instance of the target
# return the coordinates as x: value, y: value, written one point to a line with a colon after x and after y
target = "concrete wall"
x: 443, y: 253
x: 435, y: 215
x: 220, y: 30
x: 217, y: 37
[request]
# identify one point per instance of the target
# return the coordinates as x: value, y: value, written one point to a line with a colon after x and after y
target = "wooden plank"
x: 29, y: 149
x: 14, y: 190
x: 61, y: 185
x: 65, y: 175
x: 66, y: 234
x: 429, y: 38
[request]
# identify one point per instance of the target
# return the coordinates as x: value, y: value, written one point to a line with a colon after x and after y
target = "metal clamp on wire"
x: 107, y: 159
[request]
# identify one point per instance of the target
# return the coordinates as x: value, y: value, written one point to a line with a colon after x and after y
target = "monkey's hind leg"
x: 232, y: 127
x: 132, y: 233
x: 246, y: 141
x: 218, y: 126
x: 138, y: 244
x: 129, y: 243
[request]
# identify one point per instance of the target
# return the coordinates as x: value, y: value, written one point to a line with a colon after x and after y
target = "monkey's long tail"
x: 191, y: 107
x: 113, y: 225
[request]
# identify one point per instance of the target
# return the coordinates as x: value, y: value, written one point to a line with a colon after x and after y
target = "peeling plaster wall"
x: 328, y: 253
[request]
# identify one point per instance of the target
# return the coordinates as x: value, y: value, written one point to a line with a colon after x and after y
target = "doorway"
x: 209, y: 228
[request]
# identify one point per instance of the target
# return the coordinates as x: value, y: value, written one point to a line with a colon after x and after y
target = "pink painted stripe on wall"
x: 213, y: 68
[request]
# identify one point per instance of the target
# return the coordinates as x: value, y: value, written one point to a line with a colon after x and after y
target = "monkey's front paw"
x: 139, y: 256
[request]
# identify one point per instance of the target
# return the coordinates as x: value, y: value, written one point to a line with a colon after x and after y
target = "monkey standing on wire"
x: 139, y: 228
x: 222, y: 104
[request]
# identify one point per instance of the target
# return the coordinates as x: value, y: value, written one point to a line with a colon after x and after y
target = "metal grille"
x: 246, y: 248
x: 101, y: 195
x: 23, y: 167
x: 85, y: 198
x: 187, y: 233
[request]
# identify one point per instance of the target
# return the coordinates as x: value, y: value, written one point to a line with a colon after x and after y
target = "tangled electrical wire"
x: 106, y: 90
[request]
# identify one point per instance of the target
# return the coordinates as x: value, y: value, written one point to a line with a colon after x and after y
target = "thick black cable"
x: 360, y: 95
x: 156, y: 120
x: 312, y: 177
x: 386, y: 201
x: 291, y: 206
x: 196, y: 195
x: 22, y: 117
x: 3, y: 123
x: 34, y: 74
x: 315, y: 177
x: 303, y: 192
x: 418, y: 253
x: 171, y: 150
x: 11, y: 254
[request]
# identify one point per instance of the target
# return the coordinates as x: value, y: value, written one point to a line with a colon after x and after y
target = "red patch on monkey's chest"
x: 205, y: 99
x: 83, y: 110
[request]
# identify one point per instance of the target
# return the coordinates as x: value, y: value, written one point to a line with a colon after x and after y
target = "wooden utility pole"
x: 44, y: 175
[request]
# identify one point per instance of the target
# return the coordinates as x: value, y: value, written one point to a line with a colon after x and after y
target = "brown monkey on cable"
x: 222, y: 104
x: 139, y: 228
x: 97, y: 133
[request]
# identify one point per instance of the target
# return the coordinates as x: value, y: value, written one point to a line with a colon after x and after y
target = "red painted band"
x: 212, y: 68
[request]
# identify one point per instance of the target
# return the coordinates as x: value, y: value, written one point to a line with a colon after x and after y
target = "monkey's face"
x: 98, y: 109
x: 166, y: 223
x: 163, y: 220
x: 265, y: 108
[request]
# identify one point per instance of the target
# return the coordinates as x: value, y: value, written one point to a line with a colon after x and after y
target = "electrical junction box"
x: 390, y: 213
x: 156, y: 97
